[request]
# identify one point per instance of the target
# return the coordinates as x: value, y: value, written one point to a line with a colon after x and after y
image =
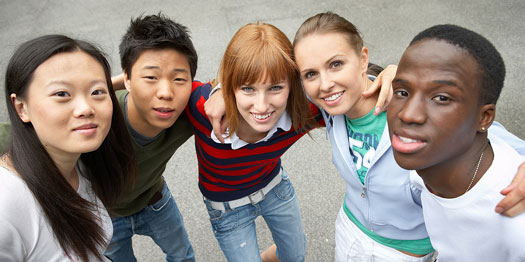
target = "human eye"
x: 247, y: 89
x: 61, y: 94
x: 181, y: 81
x: 336, y: 64
x: 309, y: 75
x: 276, y: 88
x: 400, y: 93
x: 99, y: 92
x: 441, y: 98
x: 150, y: 78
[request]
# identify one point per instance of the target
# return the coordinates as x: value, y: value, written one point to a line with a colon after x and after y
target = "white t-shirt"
x: 467, y: 228
x: 25, y: 234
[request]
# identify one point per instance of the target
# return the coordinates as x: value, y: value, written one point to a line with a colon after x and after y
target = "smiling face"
x: 159, y: 89
x: 333, y: 73
x: 435, y: 113
x: 260, y: 105
x: 68, y: 104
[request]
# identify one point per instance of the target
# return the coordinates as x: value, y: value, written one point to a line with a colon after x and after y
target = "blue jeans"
x: 235, y: 229
x: 161, y: 221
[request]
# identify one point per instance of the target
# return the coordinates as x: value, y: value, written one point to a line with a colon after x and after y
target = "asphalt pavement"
x: 387, y: 28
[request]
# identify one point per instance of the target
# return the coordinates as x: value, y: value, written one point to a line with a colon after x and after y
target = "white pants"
x: 351, y: 244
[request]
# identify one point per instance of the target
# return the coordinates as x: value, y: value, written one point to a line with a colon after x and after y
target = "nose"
x: 83, y: 108
x: 326, y: 82
x: 261, y: 103
x: 165, y: 90
x: 413, y: 111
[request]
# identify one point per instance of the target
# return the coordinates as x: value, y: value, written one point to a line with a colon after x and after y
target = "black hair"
x: 110, y: 168
x: 374, y: 69
x: 155, y: 32
x: 490, y: 63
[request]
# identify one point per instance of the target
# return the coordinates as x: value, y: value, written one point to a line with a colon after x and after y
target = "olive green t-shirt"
x: 151, y: 163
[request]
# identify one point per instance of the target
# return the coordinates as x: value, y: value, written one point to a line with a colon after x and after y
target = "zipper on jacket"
x: 363, y: 193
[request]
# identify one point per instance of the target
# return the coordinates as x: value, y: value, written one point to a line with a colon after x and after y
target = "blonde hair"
x: 261, y: 52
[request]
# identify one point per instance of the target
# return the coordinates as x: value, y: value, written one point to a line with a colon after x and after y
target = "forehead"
x: 318, y: 47
x: 165, y: 57
x: 438, y: 58
x: 63, y: 64
x: 334, y: 39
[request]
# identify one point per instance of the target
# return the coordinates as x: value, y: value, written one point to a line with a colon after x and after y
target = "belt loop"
x: 226, y: 206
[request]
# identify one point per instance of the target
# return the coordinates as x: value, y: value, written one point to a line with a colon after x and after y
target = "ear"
x: 127, y: 82
x: 21, y: 108
x: 487, y: 114
x: 364, y: 59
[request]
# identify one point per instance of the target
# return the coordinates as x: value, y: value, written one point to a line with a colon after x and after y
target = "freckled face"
x: 434, y: 114
x: 68, y: 104
x: 159, y: 89
x: 332, y: 72
x: 260, y: 105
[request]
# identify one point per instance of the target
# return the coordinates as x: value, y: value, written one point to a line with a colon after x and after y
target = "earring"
x: 483, y: 129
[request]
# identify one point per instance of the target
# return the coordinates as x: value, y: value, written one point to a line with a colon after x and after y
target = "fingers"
x: 224, y: 126
x: 217, y: 124
x: 215, y: 110
x: 383, y: 82
x: 385, y: 95
x: 371, y: 89
x: 514, y: 202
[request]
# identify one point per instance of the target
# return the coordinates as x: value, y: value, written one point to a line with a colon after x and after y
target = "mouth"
x: 163, y: 112
x: 407, y: 145
x: 87, y: 129
x: 333, y: 97
x: 261, y: 117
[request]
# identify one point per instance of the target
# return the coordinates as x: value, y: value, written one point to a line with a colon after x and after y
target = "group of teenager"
x: 83, y: 169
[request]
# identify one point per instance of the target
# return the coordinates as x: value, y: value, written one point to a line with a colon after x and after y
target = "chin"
x: 408, y: 163
x: 262, y: 129
x: 85, y: 149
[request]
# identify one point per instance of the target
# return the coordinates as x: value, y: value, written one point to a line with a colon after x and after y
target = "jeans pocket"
x: 223, y: 221
x: 284, y: 190
x: 163, y: 202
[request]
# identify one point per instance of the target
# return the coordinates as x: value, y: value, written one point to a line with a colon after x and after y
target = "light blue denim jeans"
x: 161, y: 221
x: 235, y: 229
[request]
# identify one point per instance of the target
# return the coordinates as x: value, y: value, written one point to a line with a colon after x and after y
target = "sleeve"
x: 316, y: 112
x: 195, y: 108
x: 497, y: 130
x: 11, y: 243
x: 416, y: 186
x: 199, y: 92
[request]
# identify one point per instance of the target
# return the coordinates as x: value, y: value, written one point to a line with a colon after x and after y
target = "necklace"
x: 477, y: 167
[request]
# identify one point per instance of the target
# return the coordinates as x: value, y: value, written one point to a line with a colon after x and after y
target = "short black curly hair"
x: 489, y: 60
x: 155, y: 32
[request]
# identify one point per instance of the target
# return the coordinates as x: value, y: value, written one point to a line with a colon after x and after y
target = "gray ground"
x: 387, y: 28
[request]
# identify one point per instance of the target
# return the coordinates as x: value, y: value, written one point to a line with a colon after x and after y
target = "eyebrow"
x: 182, y: 70
x: 65, y: 83
x: 398, y: 80
x: 445, y: 82
x: 327, y: 62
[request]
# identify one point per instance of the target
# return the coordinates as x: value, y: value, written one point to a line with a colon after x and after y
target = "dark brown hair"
x: 330, y: 23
